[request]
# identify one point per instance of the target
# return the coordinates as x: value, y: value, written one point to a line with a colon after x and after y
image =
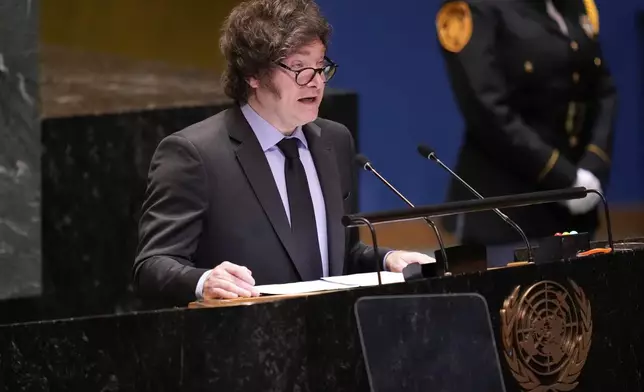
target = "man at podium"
x: 256, y: 193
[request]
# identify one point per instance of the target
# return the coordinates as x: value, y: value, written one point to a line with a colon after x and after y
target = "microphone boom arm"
x: 431, y: 223
x: 496, y: 210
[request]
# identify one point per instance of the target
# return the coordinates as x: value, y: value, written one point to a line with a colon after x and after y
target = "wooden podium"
x: 222, y: 303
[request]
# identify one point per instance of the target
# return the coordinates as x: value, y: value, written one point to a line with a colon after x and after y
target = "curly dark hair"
x: 259, y: 33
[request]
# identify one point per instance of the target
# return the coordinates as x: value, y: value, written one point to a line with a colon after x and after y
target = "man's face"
x: 286, y: 103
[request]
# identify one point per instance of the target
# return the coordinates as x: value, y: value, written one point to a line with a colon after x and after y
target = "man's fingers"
x: 220, y: 293
x: 228, y: 285
x: 396, y: 262
x: 217, y: 293
x: 422, y: 258
x: 240, y: 283
x: 235, y: 279
x: 239, y: 272
x: 397, y: 265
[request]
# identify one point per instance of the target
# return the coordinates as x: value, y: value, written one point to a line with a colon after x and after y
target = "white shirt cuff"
x: 384, y: 260
x: 202, y: 280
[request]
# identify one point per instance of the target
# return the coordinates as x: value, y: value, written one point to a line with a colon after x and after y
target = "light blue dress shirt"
x: 268, y: 137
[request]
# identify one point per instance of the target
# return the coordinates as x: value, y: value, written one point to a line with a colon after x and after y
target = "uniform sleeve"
x: 597, y: 157
x: 483, y: 94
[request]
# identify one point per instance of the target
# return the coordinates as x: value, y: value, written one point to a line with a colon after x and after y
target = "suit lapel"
x: 327, y: 169
x: 255, y: 166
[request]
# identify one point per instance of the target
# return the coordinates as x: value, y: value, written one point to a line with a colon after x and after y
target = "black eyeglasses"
x: 303, y: 76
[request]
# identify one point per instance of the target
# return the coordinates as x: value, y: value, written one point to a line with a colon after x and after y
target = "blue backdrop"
x: 388, y: 53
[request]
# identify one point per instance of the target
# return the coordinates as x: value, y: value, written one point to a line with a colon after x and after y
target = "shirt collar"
x: 267, y: 135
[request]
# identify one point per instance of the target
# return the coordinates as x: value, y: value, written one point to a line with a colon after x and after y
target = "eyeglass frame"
x: 315, y: 70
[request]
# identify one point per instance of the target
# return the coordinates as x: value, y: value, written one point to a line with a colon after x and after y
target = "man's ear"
x: 253, y: 82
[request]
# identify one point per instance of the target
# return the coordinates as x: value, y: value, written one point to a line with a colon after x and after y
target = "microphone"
x: 364, y: 163
x: 428, y: 153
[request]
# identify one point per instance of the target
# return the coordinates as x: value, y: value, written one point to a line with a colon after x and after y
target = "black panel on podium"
x: 429, y: 343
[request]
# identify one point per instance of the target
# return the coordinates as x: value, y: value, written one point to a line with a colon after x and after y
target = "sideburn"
x: 267, y: 82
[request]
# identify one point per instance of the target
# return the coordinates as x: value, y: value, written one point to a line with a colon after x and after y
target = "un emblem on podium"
x: 546, y: 332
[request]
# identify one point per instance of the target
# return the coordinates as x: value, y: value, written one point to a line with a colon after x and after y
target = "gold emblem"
x: 454, y: 25
x: 590, y: 21
x: 546, y: 333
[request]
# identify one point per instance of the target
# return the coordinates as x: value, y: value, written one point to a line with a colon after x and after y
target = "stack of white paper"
x: 301, y: 287
x: 332, y: 283
x: 367, y: 279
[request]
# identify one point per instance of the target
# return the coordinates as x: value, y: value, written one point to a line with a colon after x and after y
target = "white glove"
x: 587, y: 180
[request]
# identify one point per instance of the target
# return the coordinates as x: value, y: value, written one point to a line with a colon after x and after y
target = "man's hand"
x: 589, y: 181
x: 228, y: 280
x: 397, y: 260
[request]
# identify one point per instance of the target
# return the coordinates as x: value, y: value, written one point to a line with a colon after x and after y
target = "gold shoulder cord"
x: 549, y: 165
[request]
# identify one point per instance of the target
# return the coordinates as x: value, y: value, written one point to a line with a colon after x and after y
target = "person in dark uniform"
x: 538, y: 103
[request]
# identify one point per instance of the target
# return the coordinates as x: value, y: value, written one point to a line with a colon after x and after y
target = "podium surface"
x: 591, y: 341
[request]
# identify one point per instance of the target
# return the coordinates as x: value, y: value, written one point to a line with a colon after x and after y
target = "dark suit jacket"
x: 211, y: 198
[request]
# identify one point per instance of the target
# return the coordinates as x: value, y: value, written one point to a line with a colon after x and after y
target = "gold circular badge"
x: 454, y: 25
x: 546, y: 334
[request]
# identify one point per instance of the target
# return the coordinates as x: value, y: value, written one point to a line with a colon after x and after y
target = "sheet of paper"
x: 302, y: 287
x: 367, y: 279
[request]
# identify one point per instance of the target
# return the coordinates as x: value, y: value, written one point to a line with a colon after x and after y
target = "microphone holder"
x: 373, y: 240
x: 609, y: 231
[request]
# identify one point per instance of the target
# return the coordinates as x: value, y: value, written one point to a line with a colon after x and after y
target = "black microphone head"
x: 426, y: 151
x: 363, y: 162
